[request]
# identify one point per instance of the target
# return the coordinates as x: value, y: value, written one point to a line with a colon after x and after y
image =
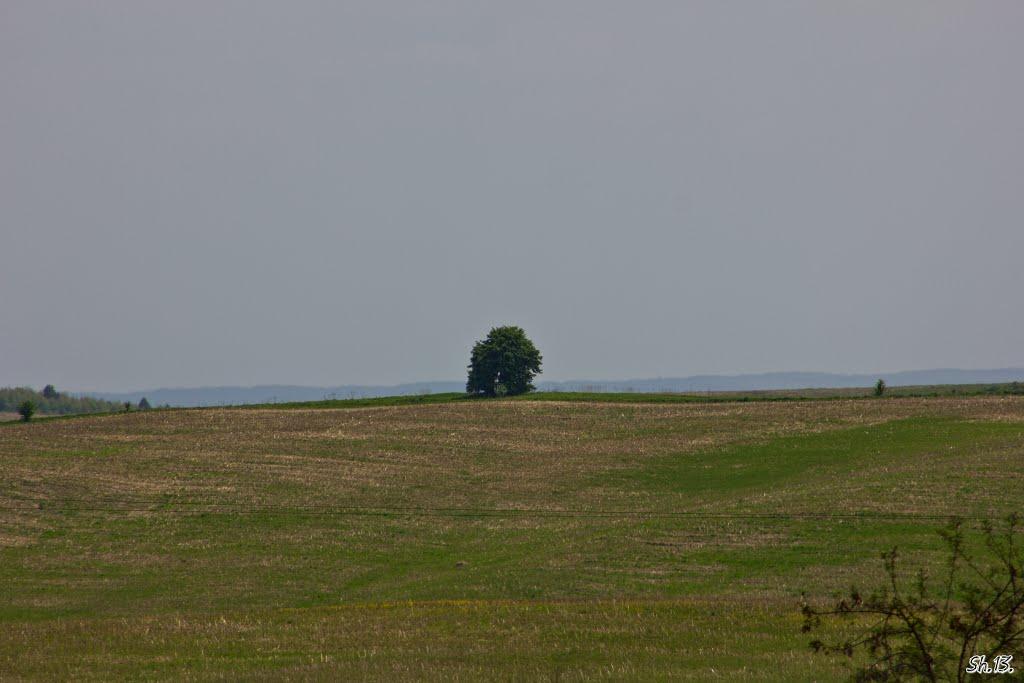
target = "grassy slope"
x: 473, y: 539
x: 931, y: 391
x: 965, y: 390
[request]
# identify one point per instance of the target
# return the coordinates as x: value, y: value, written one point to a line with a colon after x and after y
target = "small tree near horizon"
x: 503, y: 364
x: 144, y: 404
x: 879, y: 387
x: 27, y: 409
x: 50, y: 392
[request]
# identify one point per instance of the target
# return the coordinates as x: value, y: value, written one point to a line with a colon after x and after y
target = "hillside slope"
x: 770, y: 381
x: 473, y: 539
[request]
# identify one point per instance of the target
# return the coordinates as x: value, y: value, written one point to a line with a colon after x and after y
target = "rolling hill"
x: 280, y: 393
x: 476, y: 540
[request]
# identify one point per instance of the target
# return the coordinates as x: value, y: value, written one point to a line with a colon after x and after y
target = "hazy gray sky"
x: 339, y: 192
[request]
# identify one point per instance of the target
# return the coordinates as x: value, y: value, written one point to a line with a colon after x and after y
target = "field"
x: 474, y: 540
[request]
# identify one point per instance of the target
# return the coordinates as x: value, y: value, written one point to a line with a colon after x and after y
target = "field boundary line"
x: 199, y: 508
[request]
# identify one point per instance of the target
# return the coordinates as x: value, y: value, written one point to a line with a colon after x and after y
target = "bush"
x: 27, y: 409
x: 936, y: 630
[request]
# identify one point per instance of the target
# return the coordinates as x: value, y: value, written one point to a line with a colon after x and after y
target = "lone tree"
x: 879, y: 387
x: 144, y: 404
x: 503, y: 364
x: 49, y: 392
x: 27, y: 409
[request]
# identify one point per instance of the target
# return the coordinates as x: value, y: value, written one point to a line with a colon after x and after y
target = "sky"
x: 249, y: 192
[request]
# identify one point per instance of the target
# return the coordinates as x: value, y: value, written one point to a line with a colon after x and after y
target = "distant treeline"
x: 52, y: 402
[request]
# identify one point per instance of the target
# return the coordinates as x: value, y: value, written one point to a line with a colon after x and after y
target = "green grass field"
x: 444, y: 539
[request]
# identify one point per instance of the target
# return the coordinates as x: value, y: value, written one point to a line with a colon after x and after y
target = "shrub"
x: 937, y: 630
x: 27, y: 409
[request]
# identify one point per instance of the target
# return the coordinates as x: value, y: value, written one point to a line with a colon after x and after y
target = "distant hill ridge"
x: 280, y: 393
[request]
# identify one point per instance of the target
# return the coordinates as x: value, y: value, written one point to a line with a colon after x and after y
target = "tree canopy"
x: 504, y: 363
x: 55, y: 404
